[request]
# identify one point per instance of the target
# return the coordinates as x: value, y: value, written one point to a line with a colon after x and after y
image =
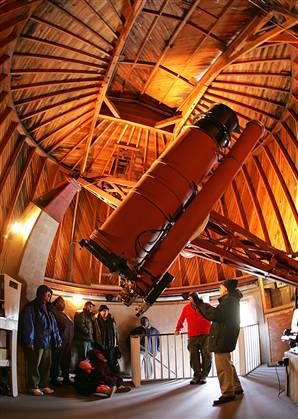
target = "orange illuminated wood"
x: 56, y: 105
x: 72, y: 34
x: 111, y: 107
x: 90, y: 81
x: 134, y: 13
x: 287, y: 156
x: 170, y: 42
x: 67, y: 48
x: 256, y: 202
x: 274, y: 205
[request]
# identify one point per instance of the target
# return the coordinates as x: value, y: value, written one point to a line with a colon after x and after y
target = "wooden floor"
x: 172, y: 399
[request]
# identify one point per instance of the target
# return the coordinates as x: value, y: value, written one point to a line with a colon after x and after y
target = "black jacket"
x: 225, y: 321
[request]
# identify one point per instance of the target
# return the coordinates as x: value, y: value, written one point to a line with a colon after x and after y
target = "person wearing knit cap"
x: 223, y: 336
x: 39, y: 333
x: 107, y: 337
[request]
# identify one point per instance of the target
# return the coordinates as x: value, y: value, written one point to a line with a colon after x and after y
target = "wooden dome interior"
x: 97, y: 90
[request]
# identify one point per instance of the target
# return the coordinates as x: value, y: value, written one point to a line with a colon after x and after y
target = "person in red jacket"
x: 198, y: 341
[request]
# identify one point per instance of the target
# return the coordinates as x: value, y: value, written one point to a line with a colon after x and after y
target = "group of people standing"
x: 214, y: 329
x: 54, y: 345
x: 50, y: 338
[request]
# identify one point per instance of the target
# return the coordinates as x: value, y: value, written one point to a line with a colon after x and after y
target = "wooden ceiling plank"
x: 262, y: 60
x: 145, y: 40
x: 18, y: 71
x: 68, y: 135
x: 72, y: 149
x: 60, y: 115
x: 170, y: 43
x: 61, y: 60
x: 199, y: 46
x: 242, y: 105
x: 55, y: 105
x: 7, y: 136
x: 152, y: 64
x: 274, y: 204
x: 256, y: 203
x: 61, y: 128
x: 4, y: 114
x: 14, y: 6
x: 219, y: 91
x: 230, y: 55
x: 95, y: 34
x: 100, y: 17
x: 19, y: 87
x: 63, y: 47
x: 255, y: 73
x: 4, y: 58
x: 282, y: 182
x: 239, y: 205
x: 111, y: 107
x: 4, y: 42
x: 287, y: 156
x: 120, y: 43
x: 72, y: 34
x: 9, y: 24
x: 250, y: 85
x: 192, y: 24
x: 32, y: 99
x: 17, y: 189
x: 127, y: 122
x: 10, y: 164
x: 290, y: 133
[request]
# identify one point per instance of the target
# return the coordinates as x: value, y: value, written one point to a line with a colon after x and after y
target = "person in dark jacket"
x: 107, y: 337
x: 223, y: 336
x: 39, y: 333
x: 94, y: 373
x: 62, y: 355
x: 84, y: 331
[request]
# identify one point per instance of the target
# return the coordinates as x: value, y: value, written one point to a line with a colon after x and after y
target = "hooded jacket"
x: 225, y: 319
x: 38, y: 325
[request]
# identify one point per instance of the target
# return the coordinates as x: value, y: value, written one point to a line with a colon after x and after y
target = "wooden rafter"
x: 63, y: 47
x: 72, y: 34
x: 247, y: 84
x: 132, y: 17
x: 274, y: 205
x: 252, y: 191
x: 49, y: 83
x: 241, y: 45
x: 287, y: 156
x: 14, y: 6
x: 170, y: 42
x: 56, y: 105
x: 111, y: 107
x: 136, y: 124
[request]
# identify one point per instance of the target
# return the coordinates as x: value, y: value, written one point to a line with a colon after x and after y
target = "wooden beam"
x: 274, y: 204
x: 99, y: 193
x: 239, y: 205
x: 282, y: 182
x: 63, y: 47
x: 72, y: 34
x: 252, y: 191
x: 14, y: 6
x: 15, y: 71
x: 287, y: 156
x: 168, y: 121
x: 9, y: 24
x: 90, y: 80
x: 100, y: 17
x: 170, y: 43
x: 7, y: 136
x: 32, y: 99
x: 60, y: 115
x: 249, y: 85
x: 111, y: 107
x: 56, y: 105
x: 136, y: 124
x: 230, y: 55
x: 134, y: 13
x: 11, y: 162
x: 51, y: 58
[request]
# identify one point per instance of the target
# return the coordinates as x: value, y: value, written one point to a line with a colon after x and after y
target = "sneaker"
x: 123, y: 389
x: 195, y: 381
x: 47, y: 390
x: 223, y: 399
x: 36, y: 392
